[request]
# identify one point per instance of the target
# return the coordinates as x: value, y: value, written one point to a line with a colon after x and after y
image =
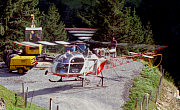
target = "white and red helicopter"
x: 78, y: 61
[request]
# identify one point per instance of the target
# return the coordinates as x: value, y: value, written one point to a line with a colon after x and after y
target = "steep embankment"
x: 144, y: 92
x: 169, y: 97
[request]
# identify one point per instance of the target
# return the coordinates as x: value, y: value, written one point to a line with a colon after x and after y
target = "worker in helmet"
x: 34, y: 37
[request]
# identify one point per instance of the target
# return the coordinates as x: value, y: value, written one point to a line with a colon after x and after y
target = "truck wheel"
x: 20, y: 70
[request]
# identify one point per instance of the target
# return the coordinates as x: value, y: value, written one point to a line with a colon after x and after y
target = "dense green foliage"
x: 53, y: 27
x: 114, y: 19
x: 148, y: 82
x: 15, y: 16
x: 13, y: 103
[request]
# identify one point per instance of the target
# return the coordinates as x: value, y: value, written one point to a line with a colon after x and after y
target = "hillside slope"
x: 13, y: 103
x: 145, y: 88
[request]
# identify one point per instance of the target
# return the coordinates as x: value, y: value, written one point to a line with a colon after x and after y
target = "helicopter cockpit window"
x: 76, y: 65
x: 63, y: 63
x: 69, y: 63
x: 62, y: 68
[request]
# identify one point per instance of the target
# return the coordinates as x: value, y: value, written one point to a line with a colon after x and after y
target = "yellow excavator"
x: 33, y: 34
x: 27, y: 59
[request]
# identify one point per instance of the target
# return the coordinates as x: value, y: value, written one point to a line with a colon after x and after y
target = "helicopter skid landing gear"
x: 60, y: 80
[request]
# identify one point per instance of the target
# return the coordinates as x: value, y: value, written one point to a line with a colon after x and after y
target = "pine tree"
x: 17, y: 17
x: 113, y: 19
x: 53, y: 27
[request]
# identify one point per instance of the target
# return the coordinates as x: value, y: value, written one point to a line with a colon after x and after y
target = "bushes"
x: 147, y: 83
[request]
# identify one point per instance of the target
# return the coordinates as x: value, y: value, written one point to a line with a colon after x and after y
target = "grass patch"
x: 15, y: 104
x: 147, y: 83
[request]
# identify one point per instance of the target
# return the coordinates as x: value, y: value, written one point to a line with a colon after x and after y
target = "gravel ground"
x: 70, y: 95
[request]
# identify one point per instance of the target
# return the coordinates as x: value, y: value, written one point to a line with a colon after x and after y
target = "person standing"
x: 34, y: 37
x: 113, y: 46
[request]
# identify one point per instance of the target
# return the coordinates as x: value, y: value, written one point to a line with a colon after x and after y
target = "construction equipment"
x: 22, y: 63
x: 25, y: 60
x: 33, y: 34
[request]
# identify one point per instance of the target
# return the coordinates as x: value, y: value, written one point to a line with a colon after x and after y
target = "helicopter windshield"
x: 62, y: 68
x: 69, y: 63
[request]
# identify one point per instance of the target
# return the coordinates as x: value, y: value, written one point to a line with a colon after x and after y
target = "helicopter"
x: 77, y: 61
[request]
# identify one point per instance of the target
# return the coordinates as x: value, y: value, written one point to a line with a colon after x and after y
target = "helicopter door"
x: 76, y: 65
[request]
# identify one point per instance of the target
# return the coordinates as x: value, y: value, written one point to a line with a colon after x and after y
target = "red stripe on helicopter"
x: 101, y: 67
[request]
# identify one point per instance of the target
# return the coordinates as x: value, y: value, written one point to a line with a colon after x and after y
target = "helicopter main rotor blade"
x: 31, y: 44
x: 146, y: 46
x: 22, y: 44
x: 62, y: 42
x: 46, y: 43
x: 26, y: 44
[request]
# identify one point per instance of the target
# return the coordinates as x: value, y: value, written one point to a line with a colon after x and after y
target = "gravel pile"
x: 70, y: 95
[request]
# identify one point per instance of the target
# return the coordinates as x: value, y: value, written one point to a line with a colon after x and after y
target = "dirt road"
x: 70, y: 95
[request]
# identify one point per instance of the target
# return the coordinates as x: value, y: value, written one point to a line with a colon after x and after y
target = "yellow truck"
x: 22, y: 63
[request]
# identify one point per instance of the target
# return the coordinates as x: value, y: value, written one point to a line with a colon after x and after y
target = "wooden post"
x: 15, y: 99
x: 161, y: 80
x: 141, y: 106
x: 23, y: 89
x: 143, y: 100
x: 147, y: 100
x: 136, y: 104
x: 159, y: 88
x: 31, y: 99
x: 150, y: 97
x: 50, y: 104
x: 26, y: 95
x: 57, y: 107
